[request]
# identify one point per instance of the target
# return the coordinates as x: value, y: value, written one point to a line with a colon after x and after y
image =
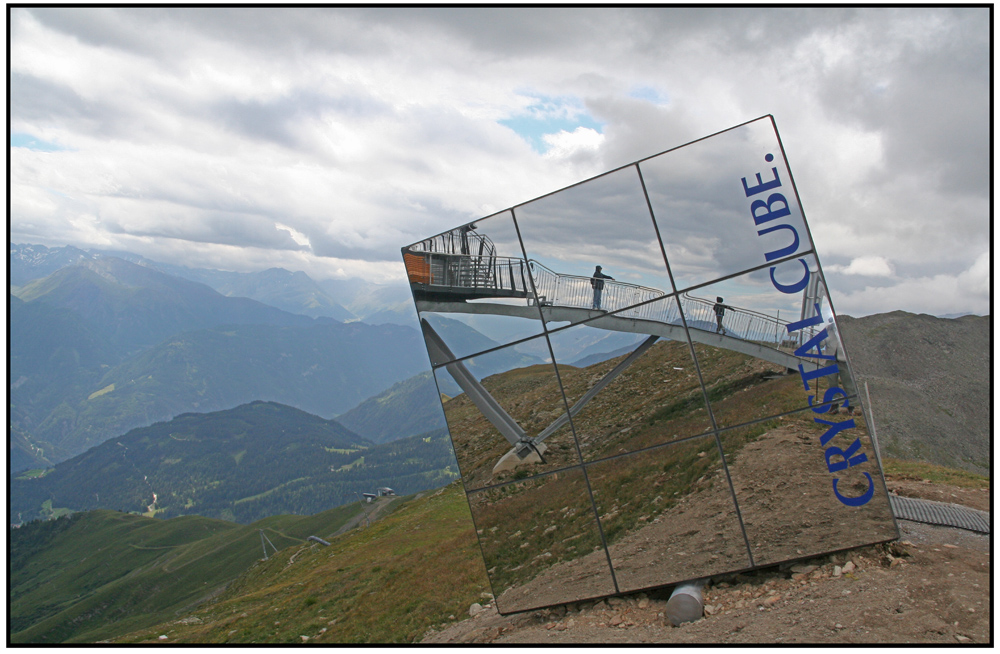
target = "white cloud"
x: 871, y: 266
x: 935, y: 295
x: 565, y: 144
x: 196, y: 132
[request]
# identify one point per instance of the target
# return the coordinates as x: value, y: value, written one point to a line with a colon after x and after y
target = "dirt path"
x: 376, y: 509
x: 933, y: 586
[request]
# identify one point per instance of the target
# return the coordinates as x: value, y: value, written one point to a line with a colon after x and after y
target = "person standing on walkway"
x: 720, y: 310
x: 597, y: 283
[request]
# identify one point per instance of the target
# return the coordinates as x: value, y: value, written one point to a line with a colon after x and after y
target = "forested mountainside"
x: 240, y: 464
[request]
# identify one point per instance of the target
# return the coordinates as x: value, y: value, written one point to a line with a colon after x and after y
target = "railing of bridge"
x: 556, y: 289
x: 467, y: 261
x: 461, y: 241
x: 576, y: 291
x: 503, y: 275
x: 743, y: 323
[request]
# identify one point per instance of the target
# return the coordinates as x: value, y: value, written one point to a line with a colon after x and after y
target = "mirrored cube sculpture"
x: 644, y: 381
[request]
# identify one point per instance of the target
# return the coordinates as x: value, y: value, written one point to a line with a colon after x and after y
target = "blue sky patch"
x: 22, y: 140
x: 649, y: 94
x: 550, y: 116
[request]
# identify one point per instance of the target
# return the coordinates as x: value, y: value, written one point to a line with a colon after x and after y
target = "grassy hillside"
x: 387, y: 583
x: 92, y: 575
x: 242, y: 464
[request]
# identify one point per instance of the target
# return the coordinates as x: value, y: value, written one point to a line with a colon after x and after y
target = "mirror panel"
x: 540, y: 541
x: 715, y: 216
x: 784, y: 474
x: 647, y: 395
x: 508, y: 398
x: 522, y: 340
x: 603, y: 222
x: 472, y: 286
x: 751, y: 338
x: 668, y: 514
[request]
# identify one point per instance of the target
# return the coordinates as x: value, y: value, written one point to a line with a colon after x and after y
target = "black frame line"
x: 607, y: 172
x: 675, y: 295
x: 562, y: 391
x: 682, y: 439
x: 833, y: 313
x: 697, y: 368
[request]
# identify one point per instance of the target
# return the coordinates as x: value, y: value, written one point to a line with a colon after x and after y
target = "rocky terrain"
x: 929, y: 380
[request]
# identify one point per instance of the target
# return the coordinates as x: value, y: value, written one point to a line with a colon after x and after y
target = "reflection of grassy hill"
x: 658, y: 399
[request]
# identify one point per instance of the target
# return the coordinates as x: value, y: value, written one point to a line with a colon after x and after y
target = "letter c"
x: 856, y: 501
x: 797, y: 286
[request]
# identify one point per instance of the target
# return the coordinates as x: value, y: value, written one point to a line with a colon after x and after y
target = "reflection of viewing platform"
x: 444, y: 281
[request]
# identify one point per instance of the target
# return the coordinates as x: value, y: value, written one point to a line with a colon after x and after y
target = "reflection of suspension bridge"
x: 448, y: 270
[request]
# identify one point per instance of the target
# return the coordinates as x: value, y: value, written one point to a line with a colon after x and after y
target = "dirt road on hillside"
x: 370, y: 514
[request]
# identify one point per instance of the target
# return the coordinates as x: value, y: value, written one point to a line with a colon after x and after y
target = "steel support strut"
x: 589, y: 395
x: 490, y: 408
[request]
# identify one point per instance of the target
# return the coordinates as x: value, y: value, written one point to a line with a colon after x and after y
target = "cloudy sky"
x: 325, y: 139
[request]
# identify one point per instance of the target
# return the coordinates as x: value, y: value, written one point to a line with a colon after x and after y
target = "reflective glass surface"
x: 472, y: 287
x: 540, y: 541
x: 725, y: 204
x: 763, y: 352
x: 587, y: 407
x: 508, y: 400
x: 648, y: 394
x: 807, y: 483
x: 668, y: 513
x: 603, y: 223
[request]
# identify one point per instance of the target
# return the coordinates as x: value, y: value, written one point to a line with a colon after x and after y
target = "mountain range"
x: 241, y: 464
x: 102, y: 345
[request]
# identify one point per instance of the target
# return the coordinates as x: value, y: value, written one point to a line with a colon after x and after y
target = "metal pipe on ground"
x: 685, y: 603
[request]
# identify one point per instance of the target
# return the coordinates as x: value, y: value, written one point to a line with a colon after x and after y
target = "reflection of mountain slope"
x: 658, y: 399
x: 463, y: 339
x: 663, y: 499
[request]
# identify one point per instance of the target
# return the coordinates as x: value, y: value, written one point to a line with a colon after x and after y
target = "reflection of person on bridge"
x: 720, y: 310
x: 597, y: 282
